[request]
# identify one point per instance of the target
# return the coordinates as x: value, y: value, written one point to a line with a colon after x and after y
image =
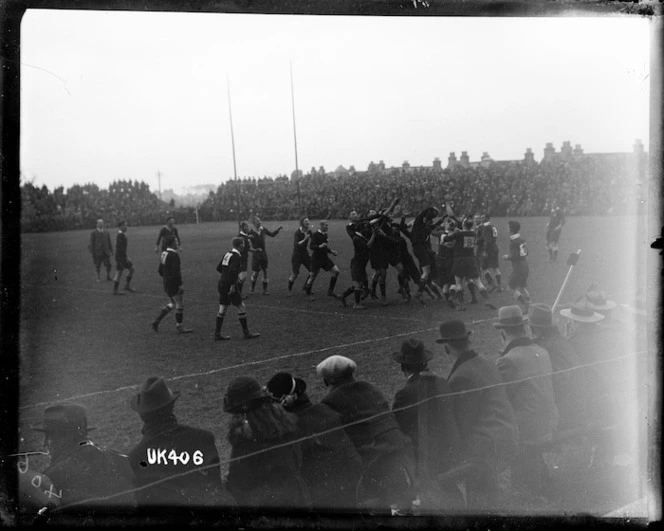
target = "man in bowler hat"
x: 483, y: 413
x: 425, y: 414
x: 187, y: 457
x: 526, y: 369
x: 80, y: 470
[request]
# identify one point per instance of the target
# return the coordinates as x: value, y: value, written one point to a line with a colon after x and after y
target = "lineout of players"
x: 467, y: 258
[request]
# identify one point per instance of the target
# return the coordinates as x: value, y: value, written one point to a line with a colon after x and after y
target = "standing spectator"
x: 331, y: 466
x: 320, y: 259
x: 426, y: 415
x: 484, y: 416
x: 193, y: 476
x: 526, y: 369
x: 80, y: 470
x: 569, y: 383
x: 229, y: 290
x: 553, y: 229
x: 101, y: 249
x: 259, y: 258
x: 300, y: 256
x: 169, y: 270
x: 518, y: 252
x: 600, y: 349
x: 386, y: 452
x: 265, y: 458
x: 167, y: 230
x: 122, y: 261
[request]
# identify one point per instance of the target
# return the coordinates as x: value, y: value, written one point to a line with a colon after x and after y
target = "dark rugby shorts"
x: 171, y: 289
x: 553, y: 236
x: 422, y: 255
x: 490, y: 260
x: 465, y: 267
x: 298, y: 260
x: 444, y: 266
x: 226, y: 299
x: 123, y: 264
x: 259, y: 261
x: 519, y: 274
x: 318, y: 263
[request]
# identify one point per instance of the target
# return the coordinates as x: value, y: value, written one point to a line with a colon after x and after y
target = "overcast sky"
x: 107, y: 95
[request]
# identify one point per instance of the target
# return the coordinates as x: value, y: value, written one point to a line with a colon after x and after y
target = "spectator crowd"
x: 585, y: 186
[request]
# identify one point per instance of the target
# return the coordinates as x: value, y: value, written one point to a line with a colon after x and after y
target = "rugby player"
x: 517, y: 255
x: 228, y: 287
x: 259, y: 258
x: 320, y: 259
x: 300, y: 256
x: 489, y: 258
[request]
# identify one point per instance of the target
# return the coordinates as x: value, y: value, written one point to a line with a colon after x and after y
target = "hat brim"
x: 608, y: 305
x: 452, y: 338
x: 136, y: 407
x: 499, y: 325
x: 398, y: 357
x: 596, y: 317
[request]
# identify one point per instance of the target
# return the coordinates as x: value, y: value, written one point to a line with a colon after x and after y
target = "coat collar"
x: 515, y: 236
x: 468, y: 355
x: 519, y: 342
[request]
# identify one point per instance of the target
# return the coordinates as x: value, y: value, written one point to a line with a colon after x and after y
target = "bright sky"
x: 109, y: 95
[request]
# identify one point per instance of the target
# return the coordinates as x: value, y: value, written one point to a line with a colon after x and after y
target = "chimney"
x: 464, y: 160
x: 529, y: 156
x: 451, y: 160
x: 436, y: 164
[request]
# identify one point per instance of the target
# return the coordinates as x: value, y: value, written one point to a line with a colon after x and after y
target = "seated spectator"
x: 266, y: 459
x: 526, y: 368
x: 426, y: 415
x: 185, y: 457
x: 81, y: 472
x: 484, y: 416
x: 569, y: 385
x: 386, y: 453
x: 331, y: 466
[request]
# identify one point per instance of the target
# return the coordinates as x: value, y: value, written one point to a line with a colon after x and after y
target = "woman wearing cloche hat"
x: 266, y: 459
x: 331, y: 466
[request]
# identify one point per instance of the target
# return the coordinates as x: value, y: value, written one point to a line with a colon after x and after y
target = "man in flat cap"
x: 483, y: 413
x: 425, y: 414
x: 526, y: 369
x: 80, y: 470
x: 186, y: 456
x: 386, y: 452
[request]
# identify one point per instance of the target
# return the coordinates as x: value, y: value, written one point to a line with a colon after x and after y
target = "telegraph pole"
x: 159, y: 182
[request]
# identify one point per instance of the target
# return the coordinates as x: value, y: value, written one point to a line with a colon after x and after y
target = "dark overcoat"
x: 153, y: 459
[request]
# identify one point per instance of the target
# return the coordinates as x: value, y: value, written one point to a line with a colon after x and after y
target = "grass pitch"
x: 80, y: 343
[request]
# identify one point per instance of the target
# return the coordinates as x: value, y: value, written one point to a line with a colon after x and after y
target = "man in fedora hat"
x: 526, y: 369
x: 569, y: 384
x: 600, y: 349
x: 484, y: 416
x: 80, y: 470
x: 385, y: 451
x: 187, y: 457
x: 425, y: 414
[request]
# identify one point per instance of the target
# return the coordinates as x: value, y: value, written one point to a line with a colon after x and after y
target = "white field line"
x: 246, y: 364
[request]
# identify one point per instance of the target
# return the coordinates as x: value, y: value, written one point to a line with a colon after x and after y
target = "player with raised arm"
x: 363, y: 240
x: 464, y: 264
x: 259, y: 258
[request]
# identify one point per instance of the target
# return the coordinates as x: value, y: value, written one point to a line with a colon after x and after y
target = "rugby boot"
x: 251, y: 335
x: 183, y: 330
x: 155, y: 326
x: 219, y: 337
x: 357, y: 306
x: 129, y: 289
x: 383, y: 300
